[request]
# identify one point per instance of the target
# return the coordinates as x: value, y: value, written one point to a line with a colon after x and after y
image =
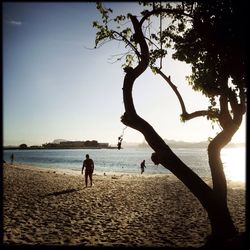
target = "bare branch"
x: 129, y: 43
x: 185, y: 115
x: 101, y: 44
x: 120, y: 56
x: 152, y: 42
x: 174, y: 88
x: 147, y: 27
x: 88, y: 48
x: 199, y: 113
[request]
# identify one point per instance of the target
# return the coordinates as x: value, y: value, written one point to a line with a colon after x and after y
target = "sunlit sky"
x: 55, y: 87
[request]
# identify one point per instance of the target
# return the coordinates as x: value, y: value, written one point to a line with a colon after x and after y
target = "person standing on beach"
x: 12, y: 157
x: 142, y: 166
x: 88, y: 164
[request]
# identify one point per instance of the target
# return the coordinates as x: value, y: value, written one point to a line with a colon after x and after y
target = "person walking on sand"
x: 142, y: 166
x: 12, y: 157
x: 88, y: 164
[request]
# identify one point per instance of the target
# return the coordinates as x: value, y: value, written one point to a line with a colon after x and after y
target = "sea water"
x: 128, y: 160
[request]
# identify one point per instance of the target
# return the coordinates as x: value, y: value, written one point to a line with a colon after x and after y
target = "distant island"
x: 64, y: 144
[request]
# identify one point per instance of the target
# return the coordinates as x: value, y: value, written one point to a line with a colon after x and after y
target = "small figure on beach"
x: 119, y: 144
x: 142, y: 166
x: 88, y: 164
x: 12, y: 157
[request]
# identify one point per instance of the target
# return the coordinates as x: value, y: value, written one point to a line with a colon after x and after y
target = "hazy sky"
x: 54, y: 87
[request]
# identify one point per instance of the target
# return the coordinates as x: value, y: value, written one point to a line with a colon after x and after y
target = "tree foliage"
x: 214, y: 46
x: 206, y: 35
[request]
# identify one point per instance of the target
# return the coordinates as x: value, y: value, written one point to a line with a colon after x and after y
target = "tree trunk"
x: 220, y: 183
x: 218, y: 213
x: 221, y: 223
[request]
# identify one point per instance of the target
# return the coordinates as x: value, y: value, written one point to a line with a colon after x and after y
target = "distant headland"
x: 64, y: 144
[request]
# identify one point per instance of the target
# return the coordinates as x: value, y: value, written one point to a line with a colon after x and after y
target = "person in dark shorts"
x: 142, y: 166
x: 88, y: 164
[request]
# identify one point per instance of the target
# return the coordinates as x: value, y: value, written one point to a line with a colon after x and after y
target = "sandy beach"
x: 52, y: 207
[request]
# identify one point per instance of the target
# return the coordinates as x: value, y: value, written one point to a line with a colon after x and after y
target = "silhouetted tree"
x: 208, y: 36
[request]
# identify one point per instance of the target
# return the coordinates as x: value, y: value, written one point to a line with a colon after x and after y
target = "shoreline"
x: 74, y: 172
x: 43, y: 206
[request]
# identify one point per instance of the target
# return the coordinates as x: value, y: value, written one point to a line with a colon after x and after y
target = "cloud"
x: 15, y: 23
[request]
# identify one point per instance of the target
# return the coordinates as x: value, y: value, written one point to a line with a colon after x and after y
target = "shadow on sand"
x: 67, y: 191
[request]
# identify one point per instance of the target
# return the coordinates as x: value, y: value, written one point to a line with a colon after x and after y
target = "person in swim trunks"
x: 88, y: 164
x: 142, y: 166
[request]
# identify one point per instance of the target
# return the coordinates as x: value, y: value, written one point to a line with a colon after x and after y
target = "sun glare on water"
x: 234, y: 162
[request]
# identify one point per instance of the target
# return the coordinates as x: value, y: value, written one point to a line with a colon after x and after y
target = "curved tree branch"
x: 150, y: 41
x: 128, y: 43
x: 185, y: 115
x: 230, y: 125
x: 215, y: 163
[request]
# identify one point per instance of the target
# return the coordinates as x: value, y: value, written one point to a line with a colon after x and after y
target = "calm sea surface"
x: 128, y: 160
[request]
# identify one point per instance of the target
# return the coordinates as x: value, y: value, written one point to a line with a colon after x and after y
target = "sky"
x: 55, y: 86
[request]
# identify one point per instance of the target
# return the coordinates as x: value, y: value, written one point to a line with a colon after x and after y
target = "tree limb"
x: 185, y: 115
x: 128, y: 43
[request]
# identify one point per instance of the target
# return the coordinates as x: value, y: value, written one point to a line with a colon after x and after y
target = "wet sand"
x: 52, y: 207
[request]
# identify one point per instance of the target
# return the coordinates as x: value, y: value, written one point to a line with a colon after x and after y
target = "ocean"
x: 128, y: 160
